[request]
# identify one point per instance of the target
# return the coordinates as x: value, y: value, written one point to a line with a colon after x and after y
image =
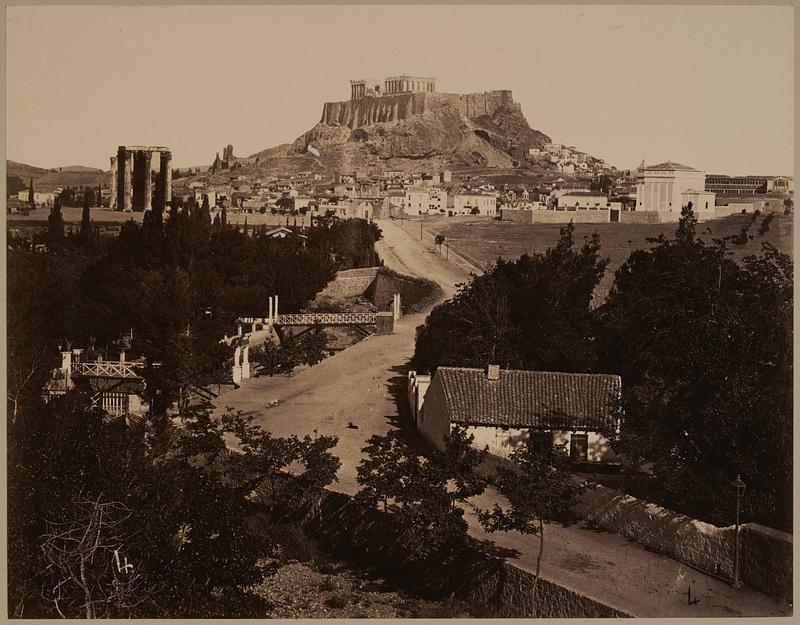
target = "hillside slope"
x: 409, y: 132
x: 24, y: 171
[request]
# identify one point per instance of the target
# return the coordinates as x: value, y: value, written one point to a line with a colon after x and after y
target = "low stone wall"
x: 733, y: 209
x: 638, y: 217
x: 517, y: 215
x: 495, y: 587
x: 349, y: 283
x: 766, y: 563
x: 766, y: 557
x: 582, y: 216
x: 415, y: 293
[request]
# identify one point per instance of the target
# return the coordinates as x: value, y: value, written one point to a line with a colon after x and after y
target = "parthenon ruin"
x: 132, y: 182
x: 391, y: 85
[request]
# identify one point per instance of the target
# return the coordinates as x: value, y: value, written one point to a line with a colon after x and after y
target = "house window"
x: 542, y: 441
x: 579, y: 447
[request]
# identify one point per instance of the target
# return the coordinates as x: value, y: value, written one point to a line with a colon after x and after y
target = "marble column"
x: 137, y: 203
x: 114, y: 174
x: 166, y: 178
x: 148, y: 181
x: 124, y: 179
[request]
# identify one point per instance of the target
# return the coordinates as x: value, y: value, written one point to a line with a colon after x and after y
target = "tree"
x: 702, y: 345
x: 422, y: 493
x: 31, y: 197
x: 85, y: 575
x: 539, y: 489
x: 86, y: 233
x: 532, y: 313
x: 55, y: 225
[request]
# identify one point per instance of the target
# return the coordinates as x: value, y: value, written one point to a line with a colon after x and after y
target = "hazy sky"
x: 711, y: 87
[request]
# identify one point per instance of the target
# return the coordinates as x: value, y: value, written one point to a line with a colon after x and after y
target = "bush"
x: 337, y: 601
x: 295, y: 544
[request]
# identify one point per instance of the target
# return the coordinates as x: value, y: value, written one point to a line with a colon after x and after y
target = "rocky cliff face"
x: 398, y: 131
x: 413, y: 131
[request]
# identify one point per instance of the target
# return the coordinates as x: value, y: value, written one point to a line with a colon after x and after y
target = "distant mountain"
x: 51, y: 179
x: 26, y: 172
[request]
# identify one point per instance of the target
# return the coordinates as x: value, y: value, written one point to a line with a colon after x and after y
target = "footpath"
x: 355, y: 393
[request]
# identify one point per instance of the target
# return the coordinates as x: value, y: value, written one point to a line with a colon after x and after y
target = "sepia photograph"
x: 372, y: 311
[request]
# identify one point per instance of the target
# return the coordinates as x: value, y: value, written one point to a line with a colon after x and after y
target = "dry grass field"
x: 481, y: 240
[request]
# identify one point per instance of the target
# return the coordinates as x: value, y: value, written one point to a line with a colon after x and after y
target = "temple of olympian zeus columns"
x: 132, y: 181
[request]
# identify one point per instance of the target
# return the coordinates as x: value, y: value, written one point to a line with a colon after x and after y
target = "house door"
x: 614, y: 214
x: 579, y: 447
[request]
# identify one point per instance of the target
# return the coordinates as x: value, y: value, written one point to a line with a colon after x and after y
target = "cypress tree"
x: 31, y: 201
x: 55, y: 225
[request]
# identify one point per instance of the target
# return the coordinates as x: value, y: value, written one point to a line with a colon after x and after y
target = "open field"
x: 482, y: 240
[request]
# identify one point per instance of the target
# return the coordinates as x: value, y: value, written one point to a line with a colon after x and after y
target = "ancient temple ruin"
x: 132, y: 179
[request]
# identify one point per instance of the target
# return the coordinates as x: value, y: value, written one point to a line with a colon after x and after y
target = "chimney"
x: 493, y: 372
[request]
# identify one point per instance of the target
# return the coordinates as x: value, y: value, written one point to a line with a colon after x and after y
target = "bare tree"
x: 87, y: 573
x: 20, y: 372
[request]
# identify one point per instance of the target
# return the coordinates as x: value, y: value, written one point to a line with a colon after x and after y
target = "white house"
x: 416, y: 201
x: 661, y: 189
x: 466, y: 203
x: 583, y: 199
x: 502, y: 409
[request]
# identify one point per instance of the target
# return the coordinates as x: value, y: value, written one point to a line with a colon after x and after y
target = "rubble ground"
x: 338, y: 589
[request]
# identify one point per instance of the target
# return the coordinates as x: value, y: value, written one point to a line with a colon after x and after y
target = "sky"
x: 711, y: 87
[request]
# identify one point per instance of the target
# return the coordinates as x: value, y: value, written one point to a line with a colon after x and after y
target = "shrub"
x: 295, y: 544
x: 337, y: 601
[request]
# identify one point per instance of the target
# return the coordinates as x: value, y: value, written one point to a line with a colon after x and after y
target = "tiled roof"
x: 543, y: 399
x: 670, y: 166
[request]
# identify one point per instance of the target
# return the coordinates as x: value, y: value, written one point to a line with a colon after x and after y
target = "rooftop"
x: 544, y: 399
x: 670, y: 166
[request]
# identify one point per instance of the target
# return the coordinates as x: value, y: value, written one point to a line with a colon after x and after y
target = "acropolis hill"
x: 405, y: 124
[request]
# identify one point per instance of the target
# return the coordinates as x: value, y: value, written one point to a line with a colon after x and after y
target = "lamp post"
x: 740, y: 488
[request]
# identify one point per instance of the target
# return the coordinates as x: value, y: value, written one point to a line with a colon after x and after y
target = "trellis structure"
x: 326, y: 319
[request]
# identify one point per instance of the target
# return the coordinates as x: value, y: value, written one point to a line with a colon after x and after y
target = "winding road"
x: 358, y: 392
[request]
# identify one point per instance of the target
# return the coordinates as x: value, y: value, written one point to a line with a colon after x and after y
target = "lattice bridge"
x: 326, y: 319
x: 105, y: 369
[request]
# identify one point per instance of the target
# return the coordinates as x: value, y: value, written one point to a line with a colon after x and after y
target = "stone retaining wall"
x: 766, y: 558
x: 349, y: 283
x: 766, y: 563
x: 415, y: 293
x: 638, y: 217
x: 494, y: 586
x: 583, y: 216
x: 517, y: 215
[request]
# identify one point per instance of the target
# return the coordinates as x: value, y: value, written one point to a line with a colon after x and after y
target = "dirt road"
x: 355, y: 394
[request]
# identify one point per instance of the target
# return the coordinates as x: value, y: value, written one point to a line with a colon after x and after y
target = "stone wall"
x: 517, y: 215
x: 392, y: 108
x: 415, y: 293
x: 638, y: 217
x: 766, y: 562
x: 577, y: 216
x: 495, y: 587
x: 379, y: 285
x: 349, y: 283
